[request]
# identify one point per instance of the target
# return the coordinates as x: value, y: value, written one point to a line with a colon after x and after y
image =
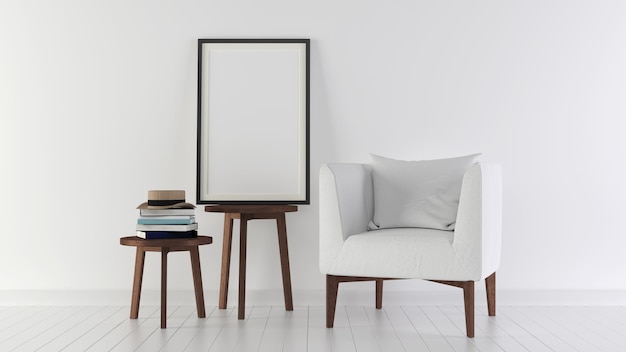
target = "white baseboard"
x: 362, y: 297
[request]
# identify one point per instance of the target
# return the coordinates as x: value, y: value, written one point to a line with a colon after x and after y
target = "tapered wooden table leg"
x: 284, y: 260
x: 197, y: 281
x: 164, y: 252
x: 243, y: 243
x: 139, y: 261
x: 226, y: 250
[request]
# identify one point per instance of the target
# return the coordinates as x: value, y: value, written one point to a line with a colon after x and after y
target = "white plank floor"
x: 357, y: 329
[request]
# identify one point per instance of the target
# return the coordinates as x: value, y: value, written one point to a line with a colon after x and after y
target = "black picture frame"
x: 253, y: 114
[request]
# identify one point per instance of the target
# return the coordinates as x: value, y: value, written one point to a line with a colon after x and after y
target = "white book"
x: 162, y: 212
x: 144, y: 227
x: 167, y: 220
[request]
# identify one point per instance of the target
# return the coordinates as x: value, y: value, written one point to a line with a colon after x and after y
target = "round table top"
x: 251, y: 209
x: 166, y: 242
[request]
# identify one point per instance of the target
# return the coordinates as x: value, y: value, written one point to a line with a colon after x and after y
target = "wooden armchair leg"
x: 468, y: 295
x: 332, y: 286
x: 379, y: 293
x: 490, y: 284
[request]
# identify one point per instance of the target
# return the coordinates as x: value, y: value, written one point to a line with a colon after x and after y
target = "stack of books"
x: 167, y: 223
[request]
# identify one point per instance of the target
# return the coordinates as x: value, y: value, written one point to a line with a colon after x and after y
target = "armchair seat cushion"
x: 411, y: 253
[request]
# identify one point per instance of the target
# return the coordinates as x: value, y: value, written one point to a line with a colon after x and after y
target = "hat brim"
x: 172, y: 206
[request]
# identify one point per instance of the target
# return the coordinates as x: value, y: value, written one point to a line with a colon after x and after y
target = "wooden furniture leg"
x: 164, y: 252
x: 194, y: 253
x: 243, y: 243
x: 226, y: 250
x: 284, y: 260
x: 379, y: 293
x: 332, y: 286
x: 140, y: 257
x: 468, y: 297
x: 490, y: 284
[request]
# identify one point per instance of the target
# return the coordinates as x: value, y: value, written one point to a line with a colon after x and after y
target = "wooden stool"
x: 165, y: 246
x: 245, y: 213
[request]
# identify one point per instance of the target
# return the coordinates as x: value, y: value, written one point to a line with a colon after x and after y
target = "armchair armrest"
x: 346, y: 207
x: 478, y: 232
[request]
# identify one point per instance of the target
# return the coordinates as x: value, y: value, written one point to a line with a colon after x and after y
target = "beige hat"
x: 165, y: 199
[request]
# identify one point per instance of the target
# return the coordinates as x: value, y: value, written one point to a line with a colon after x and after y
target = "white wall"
x: 97, y: 105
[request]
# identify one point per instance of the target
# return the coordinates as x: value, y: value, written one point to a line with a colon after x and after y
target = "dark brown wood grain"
x: 246, y: 213
x: 333, y: 281
x: 164, y: 246
x: 490, y: 285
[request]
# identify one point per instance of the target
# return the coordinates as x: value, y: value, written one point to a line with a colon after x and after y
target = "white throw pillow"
x: 421, y: 193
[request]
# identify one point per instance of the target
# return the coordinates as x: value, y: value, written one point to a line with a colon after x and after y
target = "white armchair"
x: 349, y: 252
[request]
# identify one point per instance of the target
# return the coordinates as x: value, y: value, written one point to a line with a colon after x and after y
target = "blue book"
x: 157, y: 235
x: 166, y: 220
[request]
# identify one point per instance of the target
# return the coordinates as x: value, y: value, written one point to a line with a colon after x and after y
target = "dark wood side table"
x: 245, y: 213
x: 165, y: 246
